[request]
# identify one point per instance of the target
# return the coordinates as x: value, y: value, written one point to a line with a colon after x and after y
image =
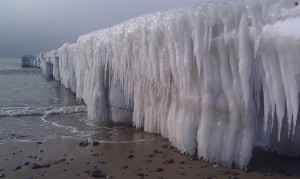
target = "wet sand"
x: 153, y: 158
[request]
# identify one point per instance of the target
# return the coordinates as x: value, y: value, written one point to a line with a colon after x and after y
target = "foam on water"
x: 37, y: 111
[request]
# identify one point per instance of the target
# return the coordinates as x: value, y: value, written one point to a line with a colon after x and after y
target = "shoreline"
x: 152, y: 158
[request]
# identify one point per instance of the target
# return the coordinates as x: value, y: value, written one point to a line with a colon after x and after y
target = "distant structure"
x: 28, y: 60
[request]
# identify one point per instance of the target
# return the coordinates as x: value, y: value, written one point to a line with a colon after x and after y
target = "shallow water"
x: 35, y: 108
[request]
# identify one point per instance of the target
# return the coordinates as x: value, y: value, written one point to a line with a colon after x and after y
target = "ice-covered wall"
x: 28, y: 60
x: 221, y: 78
x: 49, y: 63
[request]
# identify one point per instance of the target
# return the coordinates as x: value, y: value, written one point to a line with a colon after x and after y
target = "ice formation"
x: 221, y: 78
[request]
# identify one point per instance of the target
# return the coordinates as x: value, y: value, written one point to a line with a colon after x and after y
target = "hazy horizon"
x: 33, y: 26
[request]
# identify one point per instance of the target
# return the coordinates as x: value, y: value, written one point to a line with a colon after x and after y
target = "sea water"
x: 36, y: 108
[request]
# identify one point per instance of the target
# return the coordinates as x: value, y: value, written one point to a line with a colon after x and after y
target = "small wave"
x: 39, y: 111
x: 20, y: 71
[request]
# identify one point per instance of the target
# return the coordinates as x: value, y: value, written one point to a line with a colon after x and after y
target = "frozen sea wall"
x: 221, y: 78
x: 28, y: 60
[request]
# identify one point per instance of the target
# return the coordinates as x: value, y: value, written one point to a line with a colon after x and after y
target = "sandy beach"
x: 153, y: 158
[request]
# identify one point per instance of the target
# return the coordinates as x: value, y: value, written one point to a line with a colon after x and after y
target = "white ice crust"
x: 221, y: 78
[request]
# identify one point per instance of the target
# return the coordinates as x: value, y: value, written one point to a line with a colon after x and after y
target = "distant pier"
x: 28, y: 61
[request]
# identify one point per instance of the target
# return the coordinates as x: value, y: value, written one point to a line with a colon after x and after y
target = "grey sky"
x: 32, y: 26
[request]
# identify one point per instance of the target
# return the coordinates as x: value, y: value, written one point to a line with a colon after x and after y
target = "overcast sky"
x: 33, y: 26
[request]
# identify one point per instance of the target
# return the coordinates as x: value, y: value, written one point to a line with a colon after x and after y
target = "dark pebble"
x: 131, y: 156
x: 208, y: 177
x: 26, y: 163
x: 97, y: 173
x: 170, y: 147
x: 2, y: 175
x: 95, y: 143
x: 17, y: 168
x: 62, y: 160
x: 36, y: 166
x: 46, y: 165
x: 14, y: 153
x: 151, y: 155
x: 140, y: 174
x: 71, y: 159
x: 39, y: 143
x: 182, y: 162
x: 165, y: 146
x: 159, y: 170
x: 41, y: 150
x: 87, y: 163
x: 170, y: 161
x: 84, y: 143
x: 233, y: 177
x: 125, y: 167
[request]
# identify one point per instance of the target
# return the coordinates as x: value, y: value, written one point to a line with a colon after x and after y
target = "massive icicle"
x: 222, y: 77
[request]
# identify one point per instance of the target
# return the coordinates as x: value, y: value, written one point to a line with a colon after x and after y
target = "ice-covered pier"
x: 221, y: 78
x: 28, y: 60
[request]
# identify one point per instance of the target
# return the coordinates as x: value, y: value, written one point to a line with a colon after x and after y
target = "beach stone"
x: 170, y: 161
x: 159, y: 170
x: 131, y: 156
x: 140, y: 174
x: 62, y: 160
x: 209, y: 177
x: 39, y: 142
x: 233, y: 177
x: 151, y: 155
x: 36, y: 166
x: 17, y: 168
x: 95, y: 142
x: 46, y: 165
x: 2, y: 175
x: 26, y: 163
x: 165, y: 146
x: 84, y: 143
x: 96, y: 173
x: 182, y: 162
x: 125, y: 167
x: 41, y: 150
